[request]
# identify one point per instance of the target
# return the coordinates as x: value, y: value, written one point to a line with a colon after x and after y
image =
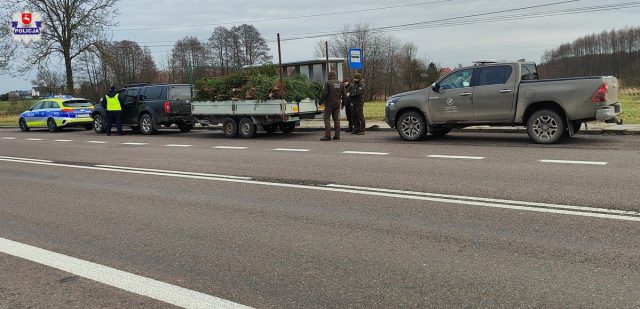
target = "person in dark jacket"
x: 356, y: 97
x: 332, y: 93
x: 111, y: 103
x: 347, y: 106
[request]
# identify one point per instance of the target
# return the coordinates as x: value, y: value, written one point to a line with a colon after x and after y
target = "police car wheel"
x: 23, y: 125
x: 52, y: 126
x: 98, y: 124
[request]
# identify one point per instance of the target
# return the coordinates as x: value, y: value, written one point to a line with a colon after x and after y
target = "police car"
x: 56, y: 113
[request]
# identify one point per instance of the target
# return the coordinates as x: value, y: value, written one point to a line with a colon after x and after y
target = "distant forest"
x: 615, y: 52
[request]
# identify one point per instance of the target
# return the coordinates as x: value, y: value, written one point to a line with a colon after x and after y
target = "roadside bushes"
x: 260, y: 84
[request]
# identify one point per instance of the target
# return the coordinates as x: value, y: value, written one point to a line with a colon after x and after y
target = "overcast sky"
x: 448, y: 46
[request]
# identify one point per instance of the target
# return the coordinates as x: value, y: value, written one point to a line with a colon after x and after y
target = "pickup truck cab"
x: 146, y: 108
x: 504, y: 94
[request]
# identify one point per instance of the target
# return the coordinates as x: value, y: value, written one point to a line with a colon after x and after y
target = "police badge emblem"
x: 26, y: 27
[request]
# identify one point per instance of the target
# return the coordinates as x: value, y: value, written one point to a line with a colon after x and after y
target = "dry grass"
x: 8, y: 120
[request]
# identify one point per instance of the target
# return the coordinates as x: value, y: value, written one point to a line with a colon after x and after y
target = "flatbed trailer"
x: 244, y: 118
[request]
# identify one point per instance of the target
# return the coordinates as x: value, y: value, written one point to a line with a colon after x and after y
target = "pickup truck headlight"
x: 392, y: 101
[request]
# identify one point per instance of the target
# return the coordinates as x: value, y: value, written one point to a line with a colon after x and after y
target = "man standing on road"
x: 356, y: 97
x: 332, y: 93
x: 348, y: 107
x: 111, y: 103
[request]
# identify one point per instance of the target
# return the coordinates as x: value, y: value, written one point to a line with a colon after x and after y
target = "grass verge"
x: 8, y: 120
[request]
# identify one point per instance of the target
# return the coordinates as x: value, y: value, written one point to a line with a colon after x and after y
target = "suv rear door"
x: 180, y: 99
x: 494, y: 94
x: 154, y: 97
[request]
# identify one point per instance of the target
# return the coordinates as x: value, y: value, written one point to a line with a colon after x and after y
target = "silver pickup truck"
x: 504, y: 94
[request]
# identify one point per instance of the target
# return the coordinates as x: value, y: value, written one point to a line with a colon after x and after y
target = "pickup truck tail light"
x: 601, y: 94
x: 167, y: 107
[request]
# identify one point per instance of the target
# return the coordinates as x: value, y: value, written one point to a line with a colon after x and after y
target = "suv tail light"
x: 601, y: 94
x: 167, y: 107
x: 67, y: 110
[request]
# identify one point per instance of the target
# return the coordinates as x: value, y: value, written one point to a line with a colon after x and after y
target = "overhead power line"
x: 288, y: 17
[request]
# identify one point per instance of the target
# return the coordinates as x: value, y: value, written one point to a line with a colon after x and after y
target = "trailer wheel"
x: 230, y: 127
x: 287, y: 127
x: 246, y: 129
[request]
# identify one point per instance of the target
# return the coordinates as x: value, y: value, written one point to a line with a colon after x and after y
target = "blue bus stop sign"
x: 355, y: 58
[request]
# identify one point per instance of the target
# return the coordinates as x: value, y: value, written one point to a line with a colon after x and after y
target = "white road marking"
x: 455, y: 157
x: 96, y: 142
x: 483, y: 199
x: 134, y: 144
x: 292, y: 149
x: 574, y: 162
x: 168, y: 293
x: 465, y: 201
x: 25, y: 159
x: 34, y: 139
x: 172, y: 172
x: 177, y: 145
x: 63, y: 140
x: 366, y: 153
x: 9, y: 138
x: 231, y: 147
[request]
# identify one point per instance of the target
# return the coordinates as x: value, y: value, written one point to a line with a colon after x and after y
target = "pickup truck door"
x: 453, y: 102
x: 494, y: 94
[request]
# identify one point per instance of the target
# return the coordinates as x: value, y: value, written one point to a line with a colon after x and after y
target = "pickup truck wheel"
x: 439, y: 131
x: 146, y: 125
x: 23, y: 125
x: 98, y: 124
x: 230, y: 128
x: 247, y: 129
x: 287, y: 127
x: 545, y: 127
x: 412, y: 126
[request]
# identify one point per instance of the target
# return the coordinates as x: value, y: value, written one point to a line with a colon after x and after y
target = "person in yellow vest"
x: 111, y: 104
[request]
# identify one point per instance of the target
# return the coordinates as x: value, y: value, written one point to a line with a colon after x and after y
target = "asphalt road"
x: 468, y: 220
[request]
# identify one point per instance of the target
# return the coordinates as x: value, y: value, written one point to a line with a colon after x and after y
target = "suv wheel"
x: 23, y: 125
x: 412, y: 126
x: 98, y: 124
x: 247, y: 128
x: 146, y: 125
x: 230, y: 127
x: 545, y: 126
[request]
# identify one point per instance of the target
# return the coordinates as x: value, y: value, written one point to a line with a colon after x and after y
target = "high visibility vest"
x: 113, y: 103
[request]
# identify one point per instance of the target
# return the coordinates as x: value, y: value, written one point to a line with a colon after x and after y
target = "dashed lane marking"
x: 34, y: 139
x: 162, y: 291
x: 178, y: 145
x: 455, y: 157
x: 9, y: 138
x: 134, y: 144
x: 63, y: 140
x: 96, y: 142
x: 574, y: 162
x: 292, y: 150
x: 366, y: 153
x: 231, y: 147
